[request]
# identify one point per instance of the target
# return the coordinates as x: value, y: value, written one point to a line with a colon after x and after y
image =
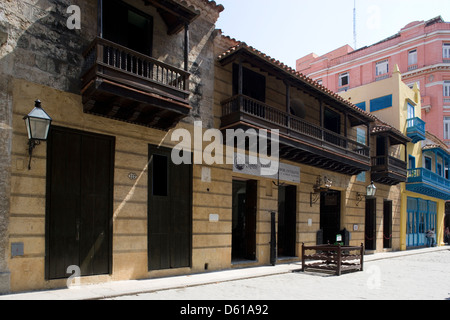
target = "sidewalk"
x: 132, y: 287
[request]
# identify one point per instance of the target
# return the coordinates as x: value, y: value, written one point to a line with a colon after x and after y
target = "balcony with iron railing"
x: 426, y: 182
x: 415, y: 129
x: 127, y: 85
x: 307, y: 141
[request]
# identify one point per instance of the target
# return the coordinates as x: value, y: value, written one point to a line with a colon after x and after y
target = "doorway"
x: 287, y: 221
x: 169, y: 211
x: 387, y: 224
x: 332, y: 121
x: 79, y: 207
x: 371, y: 217
x: 125, y: 25
x: 330, y: 215
x: 244, y: 220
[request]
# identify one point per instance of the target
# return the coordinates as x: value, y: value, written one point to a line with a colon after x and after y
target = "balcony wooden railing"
x: 424, y: 181
x: 392, y: 163
x: 122, y: 63
x: 388, y: 170
x: 273, y: 118
x: 425, y: 175
x: 416, y: 124
x: 415, y: 129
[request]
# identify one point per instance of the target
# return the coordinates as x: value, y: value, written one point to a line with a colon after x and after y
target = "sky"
x: 290, y: 29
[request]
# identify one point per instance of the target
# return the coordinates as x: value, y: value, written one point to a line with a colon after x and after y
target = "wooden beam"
x: 186, y: 47
x: 100, y: 18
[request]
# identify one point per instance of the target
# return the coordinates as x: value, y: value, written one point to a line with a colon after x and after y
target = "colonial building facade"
x: 422, y: 52
x: 103, y: 198
x: 427, y: 188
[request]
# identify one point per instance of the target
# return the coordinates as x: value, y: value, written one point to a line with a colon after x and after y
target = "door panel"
x: 387, y: 224
x: 95, y: 194
x: 370, y: 232
x: 287, y: 220
x: 244, y: 220
x: 330, y: 215
x: 250, y: 219
x: 79, y: 202
x: 170, y: 212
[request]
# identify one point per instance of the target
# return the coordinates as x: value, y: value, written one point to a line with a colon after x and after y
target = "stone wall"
x: 41, y: 58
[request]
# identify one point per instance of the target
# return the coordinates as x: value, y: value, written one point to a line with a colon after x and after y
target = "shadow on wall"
x: 35, y: 46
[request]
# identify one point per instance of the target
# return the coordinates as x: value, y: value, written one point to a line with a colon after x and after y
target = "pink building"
x: 421, y: 50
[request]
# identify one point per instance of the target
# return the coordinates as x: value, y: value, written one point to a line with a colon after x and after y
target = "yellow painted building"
x: 103, y: 197
x: 427, y: 188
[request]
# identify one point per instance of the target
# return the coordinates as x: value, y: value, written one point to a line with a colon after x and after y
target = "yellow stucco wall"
x: 397, y: 116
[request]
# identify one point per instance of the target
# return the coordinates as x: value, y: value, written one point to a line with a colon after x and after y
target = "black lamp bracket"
x: 31, y: 145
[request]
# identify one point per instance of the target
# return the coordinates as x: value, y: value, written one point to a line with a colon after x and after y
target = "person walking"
x: 430, y: 238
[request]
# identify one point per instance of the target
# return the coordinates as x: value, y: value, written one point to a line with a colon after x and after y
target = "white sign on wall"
x: 286, y: 172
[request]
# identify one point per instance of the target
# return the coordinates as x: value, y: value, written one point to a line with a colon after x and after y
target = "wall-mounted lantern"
x: 38, y: 125
x: 322, y: 185
x: 371, y: 191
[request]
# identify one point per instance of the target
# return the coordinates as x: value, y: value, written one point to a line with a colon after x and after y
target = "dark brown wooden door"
x: 387, y: 224
x: 330, y: 215
x: 371, y: 218
x: 79, y: 202
x: 250, y: 219
x: 169, y: 212
x: 244, y: 220
x: 287, y: 221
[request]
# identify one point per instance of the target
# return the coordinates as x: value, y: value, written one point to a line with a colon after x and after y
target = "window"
x: 428, y: 163
x: 411, y: 162
x: 361, y: 135
x: 411, y: 111
x: 446, y: 88
x: 361, y: 177
x: 254, y: 84
x: 446, y: 51
x: 382, y: 67
x: 361, y: 105
x: 332, y: 122
x: 439, y: 169
x: 127, y: 26
x: 361, y: 138
x: 381, y: 103
x: 344, y: 79
x: 160, y: 175
x: 412, y: 57
x: 446, y: 168
x: 447, y: 128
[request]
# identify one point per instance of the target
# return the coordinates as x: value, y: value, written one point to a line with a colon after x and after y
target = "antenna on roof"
x: 354, y: 25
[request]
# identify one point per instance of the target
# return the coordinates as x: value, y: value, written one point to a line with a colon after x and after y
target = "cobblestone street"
x: 416, y: 277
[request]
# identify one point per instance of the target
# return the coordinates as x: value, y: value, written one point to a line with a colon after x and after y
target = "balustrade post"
x: 100, y: 48
x: 288, y: 107
x: 186, y: 47
x: 100, y: 18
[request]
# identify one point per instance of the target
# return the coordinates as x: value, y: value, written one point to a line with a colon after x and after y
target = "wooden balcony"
x: 126, y: 85
x: 388, y: 170
x: 300, y: 141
